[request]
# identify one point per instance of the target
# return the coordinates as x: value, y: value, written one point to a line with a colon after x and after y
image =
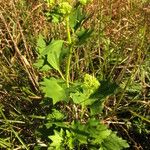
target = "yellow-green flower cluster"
x: 65, y: 8
x: 91, y: 84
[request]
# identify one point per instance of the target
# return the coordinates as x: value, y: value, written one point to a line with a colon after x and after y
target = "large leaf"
x: 76, y: 18
x: 53, y: 51
x: 52, y: 89
x: 113, y: 142
x: 97, y: 131
x: 80, y: 132
x: 107, y: 88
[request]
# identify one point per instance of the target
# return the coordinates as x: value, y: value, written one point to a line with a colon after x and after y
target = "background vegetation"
x: 118, y: 51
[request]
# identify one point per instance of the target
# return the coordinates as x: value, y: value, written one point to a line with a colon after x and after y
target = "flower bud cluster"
x: 91, y: 84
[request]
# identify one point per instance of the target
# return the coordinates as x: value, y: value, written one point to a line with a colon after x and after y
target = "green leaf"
x: 57, y: 139
x: 100, y: 135
x: 83, y: 35
x: 41, y: 44
x: 64, y: 53
x: 81, y: 99
x: 97, y: 131
x: 53, y: 51
x: 45, y: 68
x: 78, y: 97
x: 70, y: 139
x: 96, y: 107
x: 52, y: 89
x: 113, y: 142
x: 80, y: 132
x: 56, y: 115
x: 76, y: 18
x: 55, y: 17
x: 107, y: 88
x: 40, y: 64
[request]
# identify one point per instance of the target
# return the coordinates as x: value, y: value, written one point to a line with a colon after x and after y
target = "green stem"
x: 82, y: 112
x: 70, y: 51
x: 61, y: 75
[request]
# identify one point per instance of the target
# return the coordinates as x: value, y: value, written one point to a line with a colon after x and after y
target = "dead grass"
x: 125, y: 23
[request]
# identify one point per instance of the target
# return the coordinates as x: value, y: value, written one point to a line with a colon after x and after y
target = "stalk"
x: 70, y: 51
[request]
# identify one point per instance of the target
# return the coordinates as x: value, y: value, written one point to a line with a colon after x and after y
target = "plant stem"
x: 70, y: 51
x: 82, y: 112
x: 61, y: 75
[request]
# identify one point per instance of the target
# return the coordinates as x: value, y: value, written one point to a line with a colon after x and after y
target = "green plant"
x: 74, y: 129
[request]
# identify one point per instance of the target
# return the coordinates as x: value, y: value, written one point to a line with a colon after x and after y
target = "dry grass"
x: 121, y: 53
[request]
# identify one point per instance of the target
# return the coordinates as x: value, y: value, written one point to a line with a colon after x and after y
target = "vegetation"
x: 75, y: 74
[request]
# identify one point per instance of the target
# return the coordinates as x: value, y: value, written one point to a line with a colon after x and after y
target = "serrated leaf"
x: 57, y: 139
x: 100, y: 136
x: 49, y: 124
x: 53, y: 90
x: 56, y: 115
x: 41, y: 44
x: 114, y: 142
x: 53, y: 51
x: 97, y: 131
x: 81, y: 99
x: 80, y: 132
x: 70, y: 139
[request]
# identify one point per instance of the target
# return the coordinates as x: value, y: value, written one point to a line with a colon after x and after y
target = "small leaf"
x: 96, y: 107
x: 53, y: 90
x: 45, y: 68
x: 40, y: 64
x: 41, y: 44
x: 83, y: 35
x: 56, y: 115
x: 54, y: 46
x: 80, y: 132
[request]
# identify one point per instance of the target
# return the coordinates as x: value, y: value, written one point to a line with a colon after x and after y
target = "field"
x: 75, y: 74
